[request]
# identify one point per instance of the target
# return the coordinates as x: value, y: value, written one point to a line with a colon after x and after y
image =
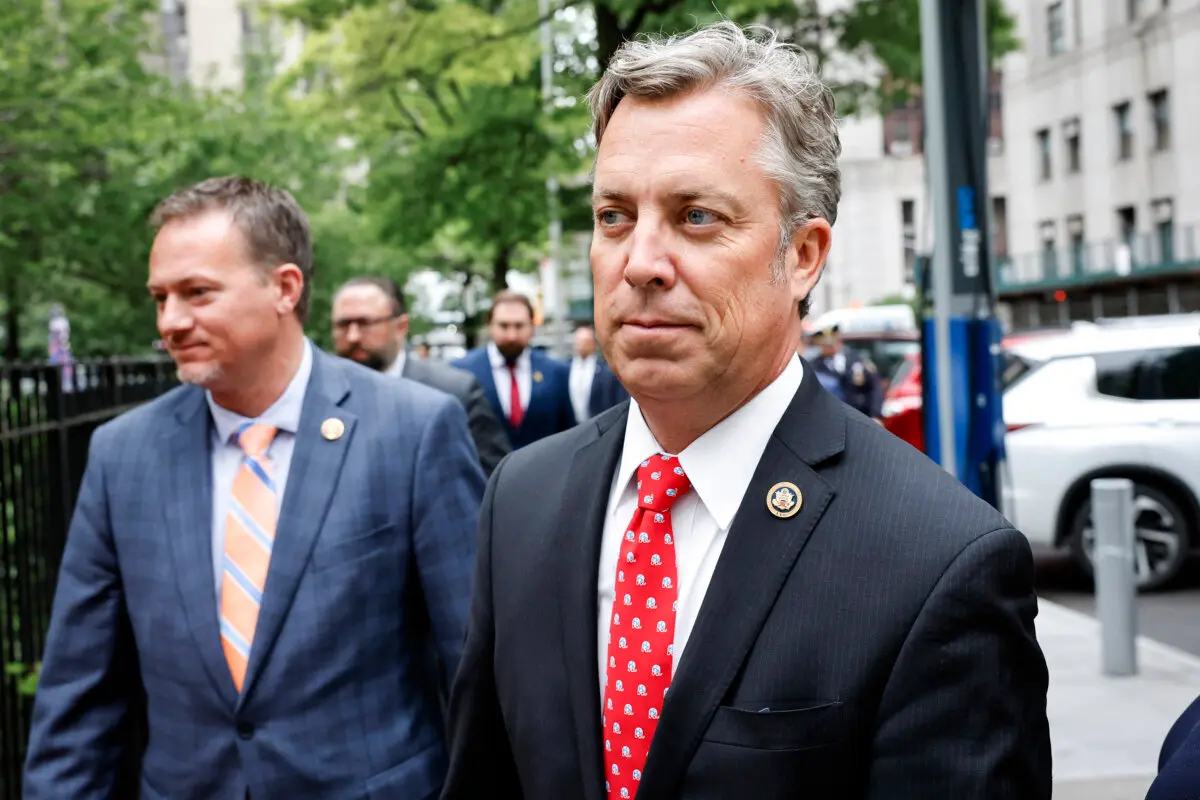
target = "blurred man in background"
x: 594, y: 388
x: 855, y: 376
x: 527, y: 388
x: 370, y: 326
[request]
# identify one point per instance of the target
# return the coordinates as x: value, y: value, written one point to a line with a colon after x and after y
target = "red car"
x: 902, y: 402
x: 902, y: 413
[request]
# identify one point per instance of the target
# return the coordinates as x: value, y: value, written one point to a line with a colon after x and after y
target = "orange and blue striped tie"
x: 249, y: 536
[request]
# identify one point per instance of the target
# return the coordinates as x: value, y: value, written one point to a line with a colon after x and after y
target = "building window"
x: 1127, y: 230
x: 1160, y: 118
x: 1056, y: 29
x: 1164, y: 230
x: 1132, y: 10
x: 1043, y: 154
x: 1124, y: 124
x: 995, y: 111
x: 903, y: 128
x: 908, y: 227
x: 1049, y: 251
x: 1078, y: 249
x: 1000, y: 227
x: 1071, y: 140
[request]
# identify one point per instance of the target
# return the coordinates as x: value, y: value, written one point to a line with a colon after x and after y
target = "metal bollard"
x: 1116, y: 576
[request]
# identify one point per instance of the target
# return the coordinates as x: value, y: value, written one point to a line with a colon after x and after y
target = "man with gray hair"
x: 735, y: 584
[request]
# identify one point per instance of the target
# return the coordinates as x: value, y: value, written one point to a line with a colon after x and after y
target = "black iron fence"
x: 47, y: 416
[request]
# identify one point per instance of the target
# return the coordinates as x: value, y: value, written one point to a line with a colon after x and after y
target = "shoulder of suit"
x: 149, y: 420
x: 377, y: 389
x: 552, y: 455
x: 917, y: 492
x: 545, y: 362
x: 444, y: 374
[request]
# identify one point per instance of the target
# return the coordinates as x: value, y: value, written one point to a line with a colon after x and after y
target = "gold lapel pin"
x: 537, y: 377
x: 784, y: 500
x: 332, y: 428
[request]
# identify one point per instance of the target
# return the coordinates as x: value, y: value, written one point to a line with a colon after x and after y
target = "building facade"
x: 1102, y: 116
x: 206, y: 42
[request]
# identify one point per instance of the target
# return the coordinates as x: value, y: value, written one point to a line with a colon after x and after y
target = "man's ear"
x: 806, y: 256
x: 290, y: 280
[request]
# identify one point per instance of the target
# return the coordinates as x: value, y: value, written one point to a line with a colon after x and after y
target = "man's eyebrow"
x: 617, y: 195
x: 708, y: 193
x: 711, y: 193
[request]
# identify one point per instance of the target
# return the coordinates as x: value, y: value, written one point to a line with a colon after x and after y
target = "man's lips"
x: 652, y: 323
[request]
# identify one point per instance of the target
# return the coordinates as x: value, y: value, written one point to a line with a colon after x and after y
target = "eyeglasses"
x: 344, y: 325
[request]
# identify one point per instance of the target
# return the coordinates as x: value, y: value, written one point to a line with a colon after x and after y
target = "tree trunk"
x: 500, y: 266
x: 608, y: 34
x: 12, y: 318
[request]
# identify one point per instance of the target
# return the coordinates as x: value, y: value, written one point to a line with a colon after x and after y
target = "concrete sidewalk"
x: 1106, y: 732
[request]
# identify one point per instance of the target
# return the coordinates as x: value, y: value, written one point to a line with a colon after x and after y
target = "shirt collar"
x: 396, y: 368
x: 498, y: 361
x: 284, y: 413
x: 721, y: 463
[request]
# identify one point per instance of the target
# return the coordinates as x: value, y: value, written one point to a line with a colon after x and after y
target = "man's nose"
x: 174, y: 317
x: 649, y: 261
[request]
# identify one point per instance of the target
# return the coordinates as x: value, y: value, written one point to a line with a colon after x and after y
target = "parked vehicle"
x: 1116, y: 399
x: 903, y: 400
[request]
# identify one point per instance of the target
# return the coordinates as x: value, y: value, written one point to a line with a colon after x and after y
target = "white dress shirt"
x: 583, y: 372
x: 720, y: 465
x: 503, y: 380
x: 226, y: 456
x: 396, y: 368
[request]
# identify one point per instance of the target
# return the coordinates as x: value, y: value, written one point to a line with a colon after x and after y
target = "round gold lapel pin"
x: 784, y: 500
x: 332, y: 428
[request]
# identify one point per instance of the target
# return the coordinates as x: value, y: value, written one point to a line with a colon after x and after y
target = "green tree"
x: 91, y: 138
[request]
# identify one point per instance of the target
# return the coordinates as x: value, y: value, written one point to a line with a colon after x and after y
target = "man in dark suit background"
x: 594, y: 388
x: 271, y: 554
x: 370, y: 326
x: 507, y: 368
x: 734, y: 585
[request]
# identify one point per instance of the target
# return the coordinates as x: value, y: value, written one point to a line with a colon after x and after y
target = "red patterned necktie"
x: 641, y: 633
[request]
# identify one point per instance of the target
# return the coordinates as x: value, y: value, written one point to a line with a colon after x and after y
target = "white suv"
x: 1111, y: 399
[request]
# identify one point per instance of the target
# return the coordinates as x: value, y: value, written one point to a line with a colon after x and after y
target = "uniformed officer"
x: 854, y: 373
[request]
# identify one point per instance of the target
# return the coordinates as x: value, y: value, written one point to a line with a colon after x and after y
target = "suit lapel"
x: 596, y: 397
x: 586, y: 500
x: 537, y: 388
x: 187, y: 511
x: 312, y: 480
x: 481, y: 368
x: 759, y: 554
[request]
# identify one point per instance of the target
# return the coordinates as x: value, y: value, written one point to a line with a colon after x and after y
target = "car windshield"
x: 1014, y: 368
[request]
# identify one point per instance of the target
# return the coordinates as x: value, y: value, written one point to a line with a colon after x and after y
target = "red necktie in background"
x: 515, y: 412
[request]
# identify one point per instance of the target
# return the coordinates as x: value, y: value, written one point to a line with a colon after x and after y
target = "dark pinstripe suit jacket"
x: 888, y: 627
x: 371, y: 567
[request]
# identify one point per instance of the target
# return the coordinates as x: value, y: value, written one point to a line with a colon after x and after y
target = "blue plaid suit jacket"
x: 361, y: 626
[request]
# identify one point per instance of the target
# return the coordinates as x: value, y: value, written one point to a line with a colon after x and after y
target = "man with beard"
x: 370, y: 326
x: 271, y: 554
x: 529, y: 390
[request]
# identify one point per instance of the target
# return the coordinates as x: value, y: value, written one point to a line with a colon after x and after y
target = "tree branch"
x: 639, y: 16
x: 398, y: 102
x: 430, y: 91
x: 517, y: 30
